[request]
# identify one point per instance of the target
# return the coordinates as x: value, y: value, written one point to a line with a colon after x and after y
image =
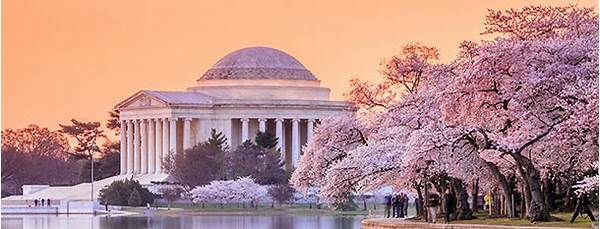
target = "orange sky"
x: 76, y: 59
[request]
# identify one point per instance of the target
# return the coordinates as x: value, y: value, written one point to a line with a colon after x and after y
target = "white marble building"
x: 249, y: 90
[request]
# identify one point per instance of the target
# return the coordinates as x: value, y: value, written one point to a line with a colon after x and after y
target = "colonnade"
x: 145, y: 142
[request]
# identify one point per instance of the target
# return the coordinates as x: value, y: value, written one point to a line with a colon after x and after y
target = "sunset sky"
x: 76, y: 59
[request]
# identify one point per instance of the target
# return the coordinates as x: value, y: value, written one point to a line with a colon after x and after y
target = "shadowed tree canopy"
x: 252, y: 160
x: 35, y: 139
x: 107, y: 165
x: 265, y: 140
x: 112, y: 122
x: 218, y: 139
x: 34, y: 155
x: 195, y: 166
x: 86, y: 134
x: 126, y: 192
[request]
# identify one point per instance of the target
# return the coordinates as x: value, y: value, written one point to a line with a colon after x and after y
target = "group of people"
x: 397, y: 203
x: 433, y: 203
x: 39, y: 203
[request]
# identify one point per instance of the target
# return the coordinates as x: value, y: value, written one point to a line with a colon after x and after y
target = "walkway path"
x: 382, y: 223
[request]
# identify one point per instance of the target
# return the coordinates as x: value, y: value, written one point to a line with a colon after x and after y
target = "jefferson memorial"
x: 249, y: 90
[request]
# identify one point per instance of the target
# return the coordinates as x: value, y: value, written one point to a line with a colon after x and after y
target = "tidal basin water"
x: 211, y: 221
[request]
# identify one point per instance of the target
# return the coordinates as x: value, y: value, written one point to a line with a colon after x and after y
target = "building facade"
x: 249, y: 90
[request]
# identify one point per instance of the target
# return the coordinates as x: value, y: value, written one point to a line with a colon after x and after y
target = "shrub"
x: 121, y: 192
x: 134, y: 199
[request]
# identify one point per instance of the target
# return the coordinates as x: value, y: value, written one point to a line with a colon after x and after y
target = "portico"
x: 249, y: 90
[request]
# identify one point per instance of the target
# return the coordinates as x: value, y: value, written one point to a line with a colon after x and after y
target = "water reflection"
x: 226, y: 222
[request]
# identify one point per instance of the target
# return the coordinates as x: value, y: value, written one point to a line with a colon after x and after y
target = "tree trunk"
x: 568, y: 201
x: 537, y: 211
x: 526, y: 190
x: 463, y: 211
x: 364, y: 204
x: 474, y: 195
x: 317, y: 203
x: 523, y: 209
x: 419, y: 207
x: 425, y: 202
x: 506, y: 190
x: 548, y: 186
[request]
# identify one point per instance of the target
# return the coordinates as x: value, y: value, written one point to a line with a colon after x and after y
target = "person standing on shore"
x: 449, y: 204
x: 405, y: 204
x: 388, y: 205
x: 433, y: 201
x: 398, y: 206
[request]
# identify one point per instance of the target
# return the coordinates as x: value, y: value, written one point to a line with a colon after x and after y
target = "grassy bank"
x: 561, y: 219
x: 234, y: 209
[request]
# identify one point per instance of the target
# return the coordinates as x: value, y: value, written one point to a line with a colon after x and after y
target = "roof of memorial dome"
x: 258, y: 63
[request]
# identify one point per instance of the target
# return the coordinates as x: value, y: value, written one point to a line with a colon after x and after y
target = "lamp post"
x: 92, y: 147
x: 92, y: 177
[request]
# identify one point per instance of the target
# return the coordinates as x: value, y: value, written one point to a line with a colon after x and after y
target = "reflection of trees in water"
x: 222, y: 221
x: 141, y: 222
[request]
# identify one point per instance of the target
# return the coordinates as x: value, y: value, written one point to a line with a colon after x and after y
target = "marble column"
x: 130, y: 147
x: 310, y: 129
x: 144, y: 157
x: 158, y: 145
x: 245, y: 133
x: 262, y: 124
x: 136, y: 147
x: 123, y: 150
x: 151, y: 146
x: 173, y: 135
x: 279, y: 135
x: 187, y: 133
x: 165, y: 143
x: 295, y: 141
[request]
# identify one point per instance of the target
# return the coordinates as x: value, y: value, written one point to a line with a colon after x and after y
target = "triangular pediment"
x: 141, y: 99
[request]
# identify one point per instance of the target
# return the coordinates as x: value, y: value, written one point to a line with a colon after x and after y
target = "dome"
x: 258, y: 63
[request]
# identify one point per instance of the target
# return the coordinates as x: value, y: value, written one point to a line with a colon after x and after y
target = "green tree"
x: 251, y: 160
x: 119, y: 193
x: 265, y: 140
x: 113, y: 123
x: 196, y: 166
x: 107, y: 165
x: 218, y: 139
x: 86, y: 134
x: 134, y: 198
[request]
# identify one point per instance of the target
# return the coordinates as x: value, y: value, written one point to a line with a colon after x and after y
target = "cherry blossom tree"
x: 332, y: 140
x: 589, y: 184
x: 528, y: 88
x: 241, y: 190
x: 522, y: 104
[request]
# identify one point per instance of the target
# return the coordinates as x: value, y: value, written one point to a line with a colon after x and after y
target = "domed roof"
x: 258, y: 63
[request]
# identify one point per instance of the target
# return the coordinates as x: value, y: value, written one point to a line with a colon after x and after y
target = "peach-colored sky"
x: 76, y: 59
